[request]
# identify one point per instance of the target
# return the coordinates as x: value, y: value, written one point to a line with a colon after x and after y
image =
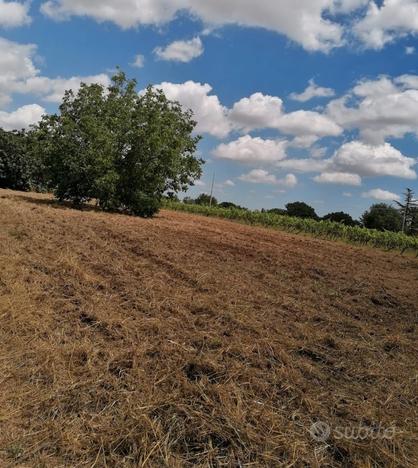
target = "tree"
x: 278, y: 211
x: 382, y: 217
x: 407, y: 211
x: 15, y: 166
x: 340, y: 217
x: 123, y: 149
x: 205, y: 199
x: 301, y: 210
x: 231, y: 205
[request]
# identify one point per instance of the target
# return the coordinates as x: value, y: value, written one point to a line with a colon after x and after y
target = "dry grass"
x: 185, y: 341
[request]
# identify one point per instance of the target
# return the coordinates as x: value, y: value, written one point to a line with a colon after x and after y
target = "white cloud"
x: 303, y: 123
x: 409, y: 50
x: 257, y: 111
x: 228, y: 183
x: 289, y: 181
x: 385, y: 23
x: 259, y: 176
x: 340, y: 178
x: 262, y: 111
x: 181, y: 51
x: 381, y: 109
x: 52, y: 90
x: 18, y: 74
x: 22, y: 117
x: 313, y: 91
x: 16, y: 60
x: 252, y: 150
x: 210, y: 115
x: 303, y: 165
x: 382, y: 195
x: 139, y: 61
x: 199, y: 183
x: 303, y: 22
x: 369, y: 160
x: 13, y: 14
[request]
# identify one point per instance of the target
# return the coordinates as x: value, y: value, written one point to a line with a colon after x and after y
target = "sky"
x: 296, y: 100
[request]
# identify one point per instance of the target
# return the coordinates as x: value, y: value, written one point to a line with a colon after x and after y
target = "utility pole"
x: 211, y: 190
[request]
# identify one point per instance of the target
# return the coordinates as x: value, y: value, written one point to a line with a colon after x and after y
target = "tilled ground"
x: 187, y: 340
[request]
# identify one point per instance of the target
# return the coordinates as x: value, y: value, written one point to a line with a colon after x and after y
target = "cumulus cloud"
x: 210, y: 114
x: 387, y: 22
x: 139, y: 61
x: 313, y: 91
x: 13, y: 14
x: 381, y: 195
x: 257, y: 111
x: 262, y: 111
x: 409, y: 50
x: 289, y: 181
x: 252, y: 150
x: 305, y: 22
x: 16, y: 60
x: 304, y: 123
x: 369, y: 160
x: 260, y: 176
x: 181, y: 51
x: 340, y: 178
x: 53, y: 89
x: 22, y: 117
x: 18, y: 74
x: 381, y: 109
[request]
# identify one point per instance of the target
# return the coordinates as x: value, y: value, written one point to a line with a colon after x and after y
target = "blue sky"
x: 315, y: 100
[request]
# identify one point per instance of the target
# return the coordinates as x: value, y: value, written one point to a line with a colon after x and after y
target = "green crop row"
x: 324, y: 229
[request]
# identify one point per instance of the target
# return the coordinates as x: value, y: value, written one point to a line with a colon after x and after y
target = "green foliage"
x: 15, y: 170
x: 323, y: 229
x: 119, y: 148
x: 301, y: 210
x: 230, y: 205
x: 382, y: 217
x: 205, y: 199
x: 278, y: 211
x: 340, y: 217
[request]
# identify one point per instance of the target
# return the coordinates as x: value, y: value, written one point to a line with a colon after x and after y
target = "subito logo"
x: 320, y: 431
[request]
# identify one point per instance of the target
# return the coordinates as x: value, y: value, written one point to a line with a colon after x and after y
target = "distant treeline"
x: 380, y: 216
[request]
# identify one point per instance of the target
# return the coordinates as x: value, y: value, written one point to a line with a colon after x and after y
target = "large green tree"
x: 123, y: 149
x: 382, y: 217
x: 301, y: 210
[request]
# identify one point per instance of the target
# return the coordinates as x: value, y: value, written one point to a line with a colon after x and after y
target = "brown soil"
x: 185, y: 340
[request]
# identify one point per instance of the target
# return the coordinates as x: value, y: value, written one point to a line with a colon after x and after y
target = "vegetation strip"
x: 324, y: 229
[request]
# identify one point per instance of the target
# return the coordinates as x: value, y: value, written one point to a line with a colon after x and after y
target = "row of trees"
x: 122, y: 149
x: 380, y: 216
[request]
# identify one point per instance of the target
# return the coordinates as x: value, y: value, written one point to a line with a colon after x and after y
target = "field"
x: 194, y: 341
x: 323, y: 229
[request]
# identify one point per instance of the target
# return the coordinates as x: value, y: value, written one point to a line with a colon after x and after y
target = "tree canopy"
x: 340, y: 217
x: 123, y: 149
x: 382, y: 217
x: 301, y: 210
